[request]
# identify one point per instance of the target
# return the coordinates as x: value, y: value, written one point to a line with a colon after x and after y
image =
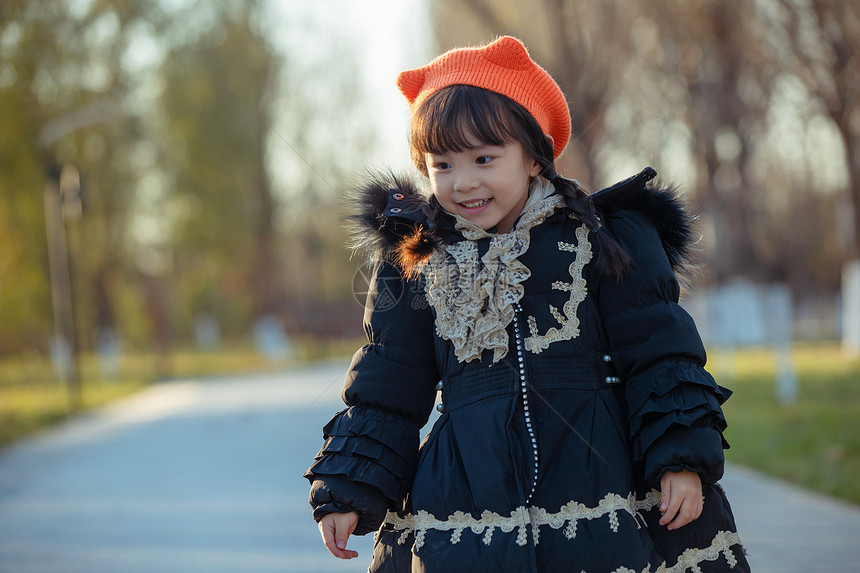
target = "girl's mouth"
x: 469, y: 205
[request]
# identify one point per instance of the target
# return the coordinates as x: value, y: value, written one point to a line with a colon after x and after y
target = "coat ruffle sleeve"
x: 676, y: 420
x: 368, y: 459
x: 673, y: 405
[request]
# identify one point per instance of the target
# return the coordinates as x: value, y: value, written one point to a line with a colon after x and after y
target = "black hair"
x: 449, y: 118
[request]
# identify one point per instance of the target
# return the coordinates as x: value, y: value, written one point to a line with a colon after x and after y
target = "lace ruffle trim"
x: 568, y: 517
x: 690, y: 559
x: 473, y: 296
x: 569, y: 322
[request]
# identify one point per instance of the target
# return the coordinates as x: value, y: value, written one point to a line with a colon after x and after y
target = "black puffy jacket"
x: 565, y: 395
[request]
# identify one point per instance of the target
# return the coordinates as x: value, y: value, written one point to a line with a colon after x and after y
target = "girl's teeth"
x: 480, y: 203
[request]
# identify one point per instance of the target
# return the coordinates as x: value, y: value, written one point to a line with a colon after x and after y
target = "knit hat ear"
x: 410, y: 82
x: 509, y: 53
x: 504, y: 67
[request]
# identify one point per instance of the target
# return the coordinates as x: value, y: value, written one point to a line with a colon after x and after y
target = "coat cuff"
x: 371, y: 447
x: 676, y: 420
x: 332, y: 494
x: 699, y: 450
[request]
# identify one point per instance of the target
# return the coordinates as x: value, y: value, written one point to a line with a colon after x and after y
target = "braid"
x: 612, y: 259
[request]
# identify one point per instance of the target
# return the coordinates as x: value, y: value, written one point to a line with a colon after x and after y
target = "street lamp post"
x: 62, y: 204
x: 64, y: 344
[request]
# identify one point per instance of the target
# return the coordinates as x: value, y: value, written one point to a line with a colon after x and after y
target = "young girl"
x: 579, y: 430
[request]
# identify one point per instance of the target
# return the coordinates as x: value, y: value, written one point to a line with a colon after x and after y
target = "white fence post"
x: 851, y: 308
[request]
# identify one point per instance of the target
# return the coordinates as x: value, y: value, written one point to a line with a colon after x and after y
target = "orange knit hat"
x: 503, y: 66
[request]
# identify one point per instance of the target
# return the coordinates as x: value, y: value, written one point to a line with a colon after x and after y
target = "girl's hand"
x: 335, y: 529
x: 681, y: 500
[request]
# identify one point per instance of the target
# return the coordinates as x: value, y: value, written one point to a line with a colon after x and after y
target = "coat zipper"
x: 524, y: 388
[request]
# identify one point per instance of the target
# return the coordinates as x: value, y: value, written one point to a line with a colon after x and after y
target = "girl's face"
x: 487, y: 184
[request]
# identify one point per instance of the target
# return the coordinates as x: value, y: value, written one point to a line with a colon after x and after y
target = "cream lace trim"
x: 474, y: 297
x: 691, y: 558
x: 570, y: 514
x: 569, y: 322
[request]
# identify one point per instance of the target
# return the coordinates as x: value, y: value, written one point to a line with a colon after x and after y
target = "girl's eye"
x: 441, y: 165
x: 483, y: 160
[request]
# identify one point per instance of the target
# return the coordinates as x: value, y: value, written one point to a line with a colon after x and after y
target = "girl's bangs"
x: 454, y: 117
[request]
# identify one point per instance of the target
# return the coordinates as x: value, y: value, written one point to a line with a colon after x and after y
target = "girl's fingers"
x: 671, y: 510
x: 342, y: 533
x: 690, y: 509
x: 684, y: 516
x: 329, y: 532
x: 665, y: 493
x: 669, y: 504
x: 681, y: 498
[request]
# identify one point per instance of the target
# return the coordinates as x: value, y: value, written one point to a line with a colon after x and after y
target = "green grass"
x: 32, y: 398
x: 814, y: 442
x: 29, y: 407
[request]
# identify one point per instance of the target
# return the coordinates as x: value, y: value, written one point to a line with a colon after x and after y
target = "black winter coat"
x: 565, y: 395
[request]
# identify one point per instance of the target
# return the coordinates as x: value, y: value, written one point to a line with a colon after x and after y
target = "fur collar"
x: 394, y: 220
x: 663, y: 206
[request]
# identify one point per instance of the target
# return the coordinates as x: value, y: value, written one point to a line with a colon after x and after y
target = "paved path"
x: 201, y: 476
x: 787, y: 529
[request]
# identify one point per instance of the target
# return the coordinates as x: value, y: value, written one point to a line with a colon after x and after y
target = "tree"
x: 253, y: 236
x: 57, y: 61
x: 216, y: 98
x: 825, y: 56
x: 695, y: 87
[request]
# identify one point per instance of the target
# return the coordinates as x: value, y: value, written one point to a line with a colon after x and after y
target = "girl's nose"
x: 466, y: 181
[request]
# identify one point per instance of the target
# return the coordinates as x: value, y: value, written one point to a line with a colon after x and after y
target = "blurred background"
x: 172, y: 175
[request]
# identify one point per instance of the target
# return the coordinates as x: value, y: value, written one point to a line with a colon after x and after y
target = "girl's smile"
x: 486, y: 184
x: 475, y: 204
x: 475, y: 207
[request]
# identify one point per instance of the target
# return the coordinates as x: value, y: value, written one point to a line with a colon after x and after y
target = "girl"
x: 579, y: 430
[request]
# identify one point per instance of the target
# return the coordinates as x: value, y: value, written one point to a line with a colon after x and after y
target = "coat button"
x: 438, y: 385
x: 613, y: 379
x: 395, y: 209
x: 440, y: 408
x: 398, y: 196
x: 607, y: 358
